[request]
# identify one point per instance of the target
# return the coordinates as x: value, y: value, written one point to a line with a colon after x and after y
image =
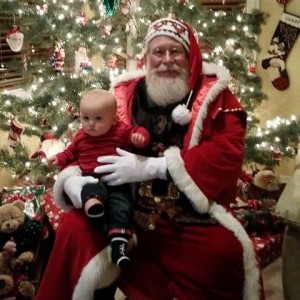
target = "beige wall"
x: 280, y: 103
x: 5, y: 177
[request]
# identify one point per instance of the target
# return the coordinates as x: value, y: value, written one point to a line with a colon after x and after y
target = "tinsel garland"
x: 110, y: 6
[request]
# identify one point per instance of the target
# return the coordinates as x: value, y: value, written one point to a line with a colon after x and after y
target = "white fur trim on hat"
x: 168, y: 27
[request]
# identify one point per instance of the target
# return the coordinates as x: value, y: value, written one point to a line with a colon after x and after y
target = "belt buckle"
x: 145, y: 190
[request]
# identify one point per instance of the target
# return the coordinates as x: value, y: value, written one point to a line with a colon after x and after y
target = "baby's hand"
x: 137, y: 138
x: 53, y: 161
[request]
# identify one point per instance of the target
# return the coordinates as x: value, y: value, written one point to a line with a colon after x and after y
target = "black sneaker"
x: 119, y: 249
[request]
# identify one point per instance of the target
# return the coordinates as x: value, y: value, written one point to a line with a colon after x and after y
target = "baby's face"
x: 96, y: 120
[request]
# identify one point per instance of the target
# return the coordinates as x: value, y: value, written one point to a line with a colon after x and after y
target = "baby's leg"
x: 93, y: 196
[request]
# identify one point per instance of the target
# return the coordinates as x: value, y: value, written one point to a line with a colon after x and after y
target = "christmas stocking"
x: 285, y: 35
x: 15, y: 131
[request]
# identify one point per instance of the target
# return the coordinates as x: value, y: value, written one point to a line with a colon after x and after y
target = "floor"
x: 271, y: 278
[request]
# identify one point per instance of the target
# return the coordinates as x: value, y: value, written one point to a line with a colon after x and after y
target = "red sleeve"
x: 70, y: 154
x: 215, y: 164
x: 142, y: 131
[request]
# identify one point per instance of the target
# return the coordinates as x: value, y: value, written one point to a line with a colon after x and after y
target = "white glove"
x: 129, y: 167
x: 73, y: 187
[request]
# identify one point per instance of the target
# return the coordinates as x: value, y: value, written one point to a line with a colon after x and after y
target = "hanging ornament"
x: 124, y: 6
x: 82, y: 62
x: 71, y: 112
x: 44, y: 122
x: 76, y: 115
x: 57, y: 59
x: 81, y: 19
x: 104, y: 29
x: 49, y: 146
x: 112, y: 63
x: 69, y: 108
x: 252, y: 68
x: 254, y: 204
x: 41, y: 10
x: 276, y: 155
x: 15, y: 131
x: 14, y: 38
x: 181, y: 1
x: 110, y: 6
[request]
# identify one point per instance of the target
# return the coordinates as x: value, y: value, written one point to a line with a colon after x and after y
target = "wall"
x: 280, y: 103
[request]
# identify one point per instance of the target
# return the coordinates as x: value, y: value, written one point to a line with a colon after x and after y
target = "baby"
x: 101, y: 134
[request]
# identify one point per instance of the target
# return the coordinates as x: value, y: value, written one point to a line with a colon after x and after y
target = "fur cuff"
x: 99, y: 273
x: 58, y: 188
x: 183, y: 180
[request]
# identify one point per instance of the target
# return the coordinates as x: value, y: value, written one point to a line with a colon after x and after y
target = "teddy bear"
x: 16, y: 225
x: 19, y: 237
x: 13, y: 279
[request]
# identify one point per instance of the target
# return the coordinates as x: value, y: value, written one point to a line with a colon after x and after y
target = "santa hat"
x: 183, y: 33
x: 13, y: 30
x: 48, y: 136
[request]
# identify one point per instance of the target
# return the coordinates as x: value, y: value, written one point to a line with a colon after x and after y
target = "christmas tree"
x: 69, y: 33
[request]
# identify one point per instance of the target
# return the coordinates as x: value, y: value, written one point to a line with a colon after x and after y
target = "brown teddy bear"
x: 16, y: 225
x: 13, y: 282
x: 19, y: 237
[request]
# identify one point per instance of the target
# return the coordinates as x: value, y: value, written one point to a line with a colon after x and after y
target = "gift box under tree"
x: 32, y: 195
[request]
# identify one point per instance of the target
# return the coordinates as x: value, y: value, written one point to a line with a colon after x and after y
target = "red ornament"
x: 276, y: 155
x: 112, y: 63
x: 252, y: 68
x: 69, y: 108
x: 255, y: 204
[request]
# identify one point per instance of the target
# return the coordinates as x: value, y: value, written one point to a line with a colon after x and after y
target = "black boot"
x: 119, y: 244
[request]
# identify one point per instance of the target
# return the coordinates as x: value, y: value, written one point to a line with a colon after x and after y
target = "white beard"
x: 164, y: 91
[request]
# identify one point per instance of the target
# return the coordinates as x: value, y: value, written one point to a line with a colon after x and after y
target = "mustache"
x: 163, y: 68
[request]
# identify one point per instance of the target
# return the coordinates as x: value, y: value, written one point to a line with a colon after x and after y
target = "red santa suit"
x: 173, y: 261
